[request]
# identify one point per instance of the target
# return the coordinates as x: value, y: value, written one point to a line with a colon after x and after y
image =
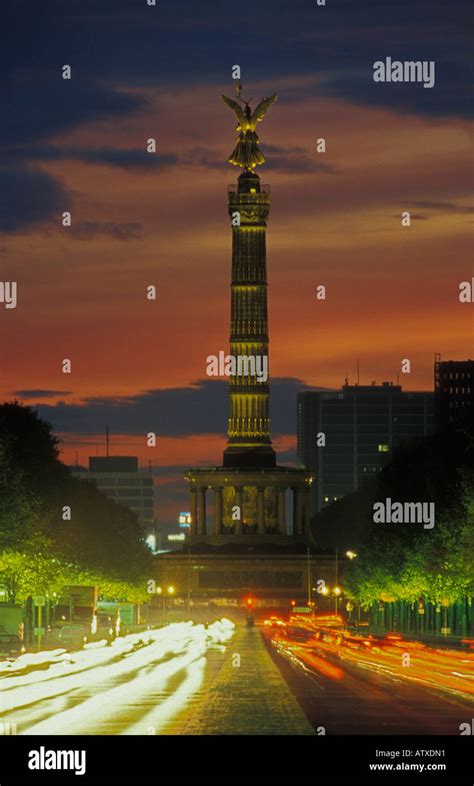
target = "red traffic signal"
x: 249, y: 601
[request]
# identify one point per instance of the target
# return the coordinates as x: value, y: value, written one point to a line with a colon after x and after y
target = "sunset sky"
x: 161, y: 219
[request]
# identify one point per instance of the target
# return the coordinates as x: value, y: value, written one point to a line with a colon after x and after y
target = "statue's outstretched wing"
x: 236, y: 108
x: 260, y: 110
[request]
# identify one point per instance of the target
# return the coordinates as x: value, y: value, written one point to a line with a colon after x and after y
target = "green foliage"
x: 405, y: 561
x: 39, y: 551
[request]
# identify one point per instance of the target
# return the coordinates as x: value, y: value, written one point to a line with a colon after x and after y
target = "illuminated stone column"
x: 260, y: 510
x: 249, y: 443
x: 194, y: 511
x: 201, y: 511
x: 297, y: 511
x: 281, y: 512
x: 218, y: 510
x: 239, y: 501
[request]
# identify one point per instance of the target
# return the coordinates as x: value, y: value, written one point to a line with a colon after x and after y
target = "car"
x: 273, y: 622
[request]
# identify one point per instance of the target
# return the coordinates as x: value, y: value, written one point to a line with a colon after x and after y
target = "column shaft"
x: 281, y: 512
x: 194, y: 512
x: 201, y: 523
x: 239, y: 502
x: 261, y: 510
x: 297, y: 511
x: 218, y: 510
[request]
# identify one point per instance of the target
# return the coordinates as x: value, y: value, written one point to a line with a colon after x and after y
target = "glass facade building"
x: 347, y: 435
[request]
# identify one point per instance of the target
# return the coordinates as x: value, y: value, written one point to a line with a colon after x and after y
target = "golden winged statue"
x: 247, y: 153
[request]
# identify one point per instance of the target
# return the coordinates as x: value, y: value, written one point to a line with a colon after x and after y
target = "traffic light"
x: 249, y: 602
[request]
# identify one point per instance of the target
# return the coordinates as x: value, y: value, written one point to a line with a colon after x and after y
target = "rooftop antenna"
x: 77, y: 459
x: 346, y: 380
x: 107, y: 441
x: 358, y: 372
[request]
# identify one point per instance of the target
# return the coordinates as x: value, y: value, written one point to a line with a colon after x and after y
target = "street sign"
x: 302, y: 609
x: 39, y: 600
x: 39, y: 631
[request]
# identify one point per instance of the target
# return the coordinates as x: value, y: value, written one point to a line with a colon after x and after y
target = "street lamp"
x: 351, y: 554
x: 169, y: 592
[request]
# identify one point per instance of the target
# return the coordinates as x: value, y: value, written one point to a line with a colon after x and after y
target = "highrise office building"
x: 120, y: 479
x: 357, y: 428
x: 454, y: 391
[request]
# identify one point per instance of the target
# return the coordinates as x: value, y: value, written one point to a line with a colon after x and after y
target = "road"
x: 144, y: 683
x: 154, y: 682
x: 356, y: 689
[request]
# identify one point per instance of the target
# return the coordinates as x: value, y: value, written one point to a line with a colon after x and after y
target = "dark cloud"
x: 39, y: 105
x: 125, y: 159
x: 115, y: 46
x: 295, y: 159
x: 28, y: 197
x: 87, y: 230
x: 200, y: 409
x: 291, y: 159
x: 439, y: 207
x: 39, y: 393
x: 445, y: 207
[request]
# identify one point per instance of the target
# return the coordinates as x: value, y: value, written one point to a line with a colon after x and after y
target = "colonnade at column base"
x: 249, y: 504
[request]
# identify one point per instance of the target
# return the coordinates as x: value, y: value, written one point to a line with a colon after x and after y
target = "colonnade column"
x: 297, y: 511
x: 239, y: 502
x: 201, y: 511
x: 194, y: 511
x: 218, y: 510
x: 281, y: 512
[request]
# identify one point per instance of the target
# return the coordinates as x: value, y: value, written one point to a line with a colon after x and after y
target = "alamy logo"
x: 389, y: 512
x: 43, y: 759
x: 240, y: 366
x: 405, y: 71
x: 8, y: 293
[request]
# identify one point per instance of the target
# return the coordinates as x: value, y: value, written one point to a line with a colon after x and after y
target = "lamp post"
x: 170, y: 591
